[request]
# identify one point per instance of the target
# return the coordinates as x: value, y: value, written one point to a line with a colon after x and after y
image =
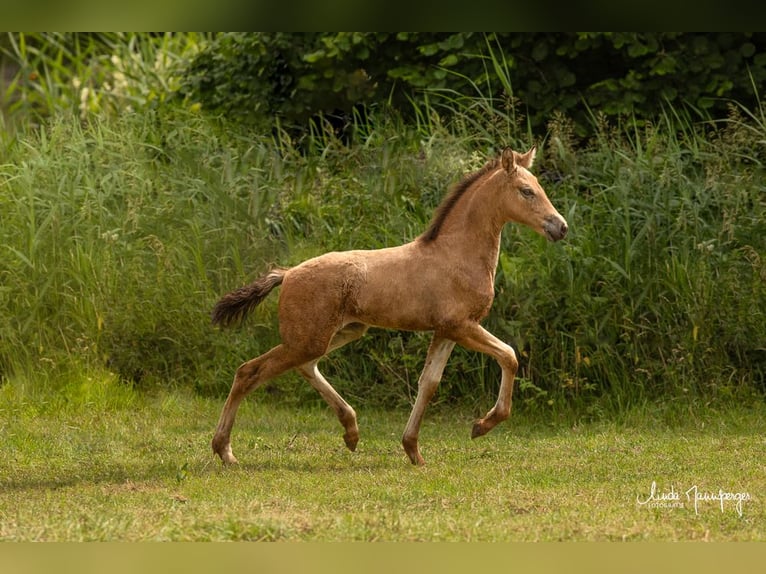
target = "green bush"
x: 294, y: 77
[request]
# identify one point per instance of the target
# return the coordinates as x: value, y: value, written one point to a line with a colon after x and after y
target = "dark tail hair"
x: 234, y: 306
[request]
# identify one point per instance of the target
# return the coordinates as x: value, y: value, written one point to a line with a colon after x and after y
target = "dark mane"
x: 449, y: 202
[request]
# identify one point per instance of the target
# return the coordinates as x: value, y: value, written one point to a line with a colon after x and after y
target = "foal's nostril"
x: 555, y: 228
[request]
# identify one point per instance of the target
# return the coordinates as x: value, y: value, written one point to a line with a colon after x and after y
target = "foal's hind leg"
x: 250, y: 375
x: 438, y: 353
x: 346, y: 414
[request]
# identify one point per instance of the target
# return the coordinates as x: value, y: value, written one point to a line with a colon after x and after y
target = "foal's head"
x: 522, y: 198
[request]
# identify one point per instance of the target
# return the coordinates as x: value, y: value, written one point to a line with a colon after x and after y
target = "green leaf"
x: 747, y: 49
x: 314, y: 57
x: 448, y: 61
x: 540, y: 51
x: 428, y: 49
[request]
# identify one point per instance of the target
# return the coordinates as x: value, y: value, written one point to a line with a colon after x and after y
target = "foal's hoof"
x: 224, y: 452
x: 412, y: 450
x: 478, y: 430
x: 417, y: 459
x: 228, y: 459
x: 351, y: 441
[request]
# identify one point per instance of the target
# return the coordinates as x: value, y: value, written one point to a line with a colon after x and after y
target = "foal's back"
x: 391, y: 287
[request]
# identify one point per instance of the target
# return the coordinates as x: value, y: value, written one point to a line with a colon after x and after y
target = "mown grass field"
x: 132, y: 468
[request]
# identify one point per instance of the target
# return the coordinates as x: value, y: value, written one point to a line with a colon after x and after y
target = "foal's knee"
x: 508, y: 361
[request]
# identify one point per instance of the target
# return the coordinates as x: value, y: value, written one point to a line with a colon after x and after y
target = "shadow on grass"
x: 74, y: 477
x: 302, y: 455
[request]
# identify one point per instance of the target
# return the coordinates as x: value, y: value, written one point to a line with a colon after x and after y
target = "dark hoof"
x: 478, y: 430
x: 413, y: 452
x: 351, y: 441
x: 416, y: 458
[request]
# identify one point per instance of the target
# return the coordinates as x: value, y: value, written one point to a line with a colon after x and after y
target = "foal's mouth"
x: 555, y: 228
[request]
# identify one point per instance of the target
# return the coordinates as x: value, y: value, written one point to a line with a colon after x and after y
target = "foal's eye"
x: 527, y: 192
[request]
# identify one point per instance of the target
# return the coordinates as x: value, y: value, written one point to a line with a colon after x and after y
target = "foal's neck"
x: 471, y: 232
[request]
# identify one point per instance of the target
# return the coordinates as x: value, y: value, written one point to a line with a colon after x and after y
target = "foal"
x: 443, y: 282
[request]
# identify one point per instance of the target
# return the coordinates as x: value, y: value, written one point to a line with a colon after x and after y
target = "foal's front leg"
x: 438, y: 354
x: 473, y: 336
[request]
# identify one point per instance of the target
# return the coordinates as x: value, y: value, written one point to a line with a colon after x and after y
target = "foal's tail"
x: 235, y: 305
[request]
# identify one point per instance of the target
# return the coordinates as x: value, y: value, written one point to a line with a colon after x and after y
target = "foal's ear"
x: 528, y: 158
x: 511, y: 159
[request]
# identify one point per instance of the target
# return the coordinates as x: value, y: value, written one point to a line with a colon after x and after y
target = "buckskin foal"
x: 443, y: 281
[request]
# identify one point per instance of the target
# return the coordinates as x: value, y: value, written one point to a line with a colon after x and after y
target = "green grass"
x: 125, y: 466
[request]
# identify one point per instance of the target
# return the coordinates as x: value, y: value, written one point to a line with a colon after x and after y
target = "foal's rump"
x: 316, y: 299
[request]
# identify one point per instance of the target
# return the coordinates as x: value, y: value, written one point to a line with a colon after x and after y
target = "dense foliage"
x: 126, y: 216
x: 295, y: 76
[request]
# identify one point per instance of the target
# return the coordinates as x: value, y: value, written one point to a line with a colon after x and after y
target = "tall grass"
x: 107, y: 252
x: 659, y: 289
x: 122, y: 224
x: 91, y: 73
x: 120, y: 233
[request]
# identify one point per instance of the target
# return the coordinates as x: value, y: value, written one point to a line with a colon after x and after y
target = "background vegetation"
x: 140, y: 180
x: 295, y: 76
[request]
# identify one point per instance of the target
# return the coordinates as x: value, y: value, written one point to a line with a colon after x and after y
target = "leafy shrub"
x: 295, y: 76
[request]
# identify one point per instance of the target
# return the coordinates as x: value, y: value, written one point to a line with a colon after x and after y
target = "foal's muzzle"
x: 555, y: 227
